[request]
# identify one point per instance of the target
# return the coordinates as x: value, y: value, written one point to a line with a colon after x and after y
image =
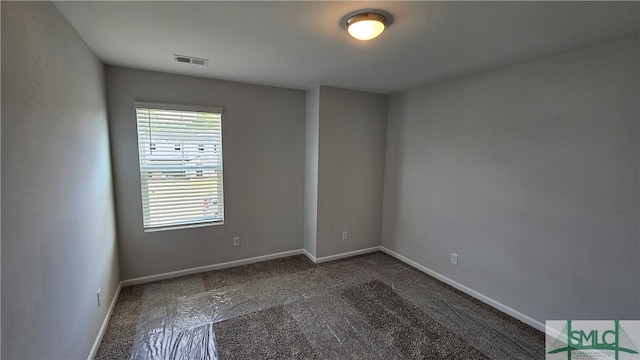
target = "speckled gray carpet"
x: 405, y: 327
x: 366, y: 307
x: 266, y: 334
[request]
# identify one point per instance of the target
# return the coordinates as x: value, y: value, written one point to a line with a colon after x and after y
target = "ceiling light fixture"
x: 366, y: 25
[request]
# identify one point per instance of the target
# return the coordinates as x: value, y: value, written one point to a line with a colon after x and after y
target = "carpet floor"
x: 366, y: 307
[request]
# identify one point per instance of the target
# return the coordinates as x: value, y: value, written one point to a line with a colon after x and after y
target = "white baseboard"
x: 340, y: 256
x: 105, y: 322
x: 172, y: 274
x: 485, y: 299
x: 308, y: 254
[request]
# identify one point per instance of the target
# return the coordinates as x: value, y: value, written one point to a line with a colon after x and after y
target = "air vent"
x: 190, y: 60
x: 199, y: 61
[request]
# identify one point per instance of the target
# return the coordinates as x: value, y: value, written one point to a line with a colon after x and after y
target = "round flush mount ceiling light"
x: 366, y: 25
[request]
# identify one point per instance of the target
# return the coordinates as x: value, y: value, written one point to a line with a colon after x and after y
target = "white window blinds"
x: 180, y: 150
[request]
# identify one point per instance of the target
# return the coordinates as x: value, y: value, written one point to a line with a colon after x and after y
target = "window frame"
x: 180, y: 108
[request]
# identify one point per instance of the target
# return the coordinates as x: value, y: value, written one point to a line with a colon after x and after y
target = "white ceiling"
x: 303, y: 44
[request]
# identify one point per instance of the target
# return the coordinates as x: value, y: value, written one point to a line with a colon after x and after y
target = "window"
x: 180, y: 188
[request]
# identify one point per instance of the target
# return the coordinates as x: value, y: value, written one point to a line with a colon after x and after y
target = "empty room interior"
x: 319, y: 179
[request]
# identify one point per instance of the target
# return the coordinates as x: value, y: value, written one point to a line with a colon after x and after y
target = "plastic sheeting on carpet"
x: 318, y: 316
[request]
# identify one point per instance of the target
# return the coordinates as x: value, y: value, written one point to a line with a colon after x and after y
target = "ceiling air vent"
x: 190, y: 60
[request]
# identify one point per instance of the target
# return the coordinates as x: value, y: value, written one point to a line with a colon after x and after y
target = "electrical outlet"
x: 454, y: 258
x: 236, y: 241
x: 345, y: 235
x: 98, y: 297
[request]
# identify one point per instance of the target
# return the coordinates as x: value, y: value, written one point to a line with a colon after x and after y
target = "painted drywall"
x: 58, y: 228
x: 530, y: 174
x: 351, y: 153
x: 263, y: 156
x: 311, y: 137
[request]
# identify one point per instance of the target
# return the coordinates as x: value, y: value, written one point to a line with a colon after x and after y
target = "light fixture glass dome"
x: 366, y: 26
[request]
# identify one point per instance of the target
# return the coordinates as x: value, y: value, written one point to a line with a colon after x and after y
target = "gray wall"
x: 530, y: 173
x: 58, y: 230
x: 351, y: 152
x: 312, y: 134
x: 263, y: 149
